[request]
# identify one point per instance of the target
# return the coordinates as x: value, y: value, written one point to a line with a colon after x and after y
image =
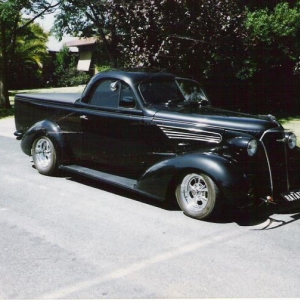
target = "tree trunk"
x: 4, y: 98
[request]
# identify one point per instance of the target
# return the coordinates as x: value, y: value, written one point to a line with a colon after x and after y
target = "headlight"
x: 246, y: 145
x: 291, y: 140
x: 252, y: 147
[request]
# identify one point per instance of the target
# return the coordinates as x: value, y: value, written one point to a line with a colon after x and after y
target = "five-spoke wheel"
x: 197, y: 195
x: 44, y: 155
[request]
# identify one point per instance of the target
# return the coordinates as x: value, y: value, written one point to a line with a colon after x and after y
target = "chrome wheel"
x: 196, y: 195
x: 44, y: 155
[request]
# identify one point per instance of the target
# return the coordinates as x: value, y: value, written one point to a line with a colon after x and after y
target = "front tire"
x: 197, y: 195
x: 44, y: 156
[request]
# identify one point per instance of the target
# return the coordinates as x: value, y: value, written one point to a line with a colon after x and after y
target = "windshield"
x: 191, y: 90
x: 158, y: 92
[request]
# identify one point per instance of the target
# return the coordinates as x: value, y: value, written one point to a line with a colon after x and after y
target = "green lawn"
x: 292, y: 124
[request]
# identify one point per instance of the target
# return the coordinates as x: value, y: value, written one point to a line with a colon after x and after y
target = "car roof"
x: 134, y: 76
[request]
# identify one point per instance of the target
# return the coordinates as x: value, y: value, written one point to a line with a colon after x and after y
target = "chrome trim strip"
x: 286, y: 166
x: 269, y: 166
x: 270, y: 130
x: 267, y: 157
x: 174, y: 132
x: 204, y: 124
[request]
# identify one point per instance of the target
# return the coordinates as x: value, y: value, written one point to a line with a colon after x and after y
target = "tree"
x: 26, y: 61
x: 273, y: 45
x: 222, y: 40
x: 253, y: 5
x: 274, y: 35
x: 91, y: 18
x: 187, y: 35
x: 199, y: 38
x: 11, y: 26
x: 66, y: 73
x: 164, y: 33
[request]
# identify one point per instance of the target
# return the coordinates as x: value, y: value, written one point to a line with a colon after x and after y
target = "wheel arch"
x: 161, y: 179
x: 51, y: 130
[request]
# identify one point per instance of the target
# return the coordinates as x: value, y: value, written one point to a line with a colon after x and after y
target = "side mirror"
x: 114, y: 86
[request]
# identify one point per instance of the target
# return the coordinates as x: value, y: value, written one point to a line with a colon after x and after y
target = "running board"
x: 102, y: 176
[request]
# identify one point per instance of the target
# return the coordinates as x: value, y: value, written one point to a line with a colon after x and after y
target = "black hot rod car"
x: 158, y: 135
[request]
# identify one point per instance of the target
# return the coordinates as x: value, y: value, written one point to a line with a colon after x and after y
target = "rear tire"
x: 44, y: 156
x: 198, y: 196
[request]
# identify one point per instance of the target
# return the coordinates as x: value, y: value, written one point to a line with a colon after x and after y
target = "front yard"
x: 292, y: 124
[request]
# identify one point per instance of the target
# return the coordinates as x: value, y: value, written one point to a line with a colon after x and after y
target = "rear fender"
x: 227, y: 175
x: 52, y: 131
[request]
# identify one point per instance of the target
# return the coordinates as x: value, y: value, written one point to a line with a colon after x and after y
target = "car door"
x: 112, y: 126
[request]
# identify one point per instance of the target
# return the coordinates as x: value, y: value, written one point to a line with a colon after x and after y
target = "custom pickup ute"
x: 160, y: 136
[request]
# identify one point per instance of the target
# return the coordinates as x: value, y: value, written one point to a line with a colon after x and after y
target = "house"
x: 54, y: 46
x: 86, y: 47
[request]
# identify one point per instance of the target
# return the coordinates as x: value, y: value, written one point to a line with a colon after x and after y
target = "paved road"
x: 70, y: 238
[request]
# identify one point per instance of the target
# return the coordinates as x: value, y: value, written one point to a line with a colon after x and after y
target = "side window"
x: 127, y: 99
x: 106, y: 94
x: 112, y: 93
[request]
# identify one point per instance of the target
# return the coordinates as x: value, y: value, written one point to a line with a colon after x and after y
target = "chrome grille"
x: 275, y: 150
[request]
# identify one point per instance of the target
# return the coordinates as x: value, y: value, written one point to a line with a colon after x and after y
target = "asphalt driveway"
x: 72, y: 238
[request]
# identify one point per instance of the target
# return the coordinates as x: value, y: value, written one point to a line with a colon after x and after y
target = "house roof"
x: 82, y: 42
x: 54, y: 45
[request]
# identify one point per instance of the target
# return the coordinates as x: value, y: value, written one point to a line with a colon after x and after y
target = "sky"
x: 46, y: 22
x: 53, y: 44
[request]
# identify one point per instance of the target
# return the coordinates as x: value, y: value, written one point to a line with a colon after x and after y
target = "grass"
x: 292, y: 124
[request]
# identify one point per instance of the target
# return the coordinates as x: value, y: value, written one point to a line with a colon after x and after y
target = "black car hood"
x: 216, y: 118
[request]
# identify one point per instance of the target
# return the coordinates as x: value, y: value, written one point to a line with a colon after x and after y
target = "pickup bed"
x: 160, y: 136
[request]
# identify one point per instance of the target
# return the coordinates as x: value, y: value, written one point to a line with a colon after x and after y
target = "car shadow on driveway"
x: 119, y: 191
x: 267, y: 214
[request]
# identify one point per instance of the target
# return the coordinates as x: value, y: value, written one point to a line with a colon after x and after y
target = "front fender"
x: 52, y: 131
x: 227, y: 175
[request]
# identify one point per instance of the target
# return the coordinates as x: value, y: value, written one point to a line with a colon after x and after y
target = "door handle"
x: 84, y: 117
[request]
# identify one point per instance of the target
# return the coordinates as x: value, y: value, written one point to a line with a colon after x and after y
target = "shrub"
x: 72, y: 77
x: 66, y: 73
